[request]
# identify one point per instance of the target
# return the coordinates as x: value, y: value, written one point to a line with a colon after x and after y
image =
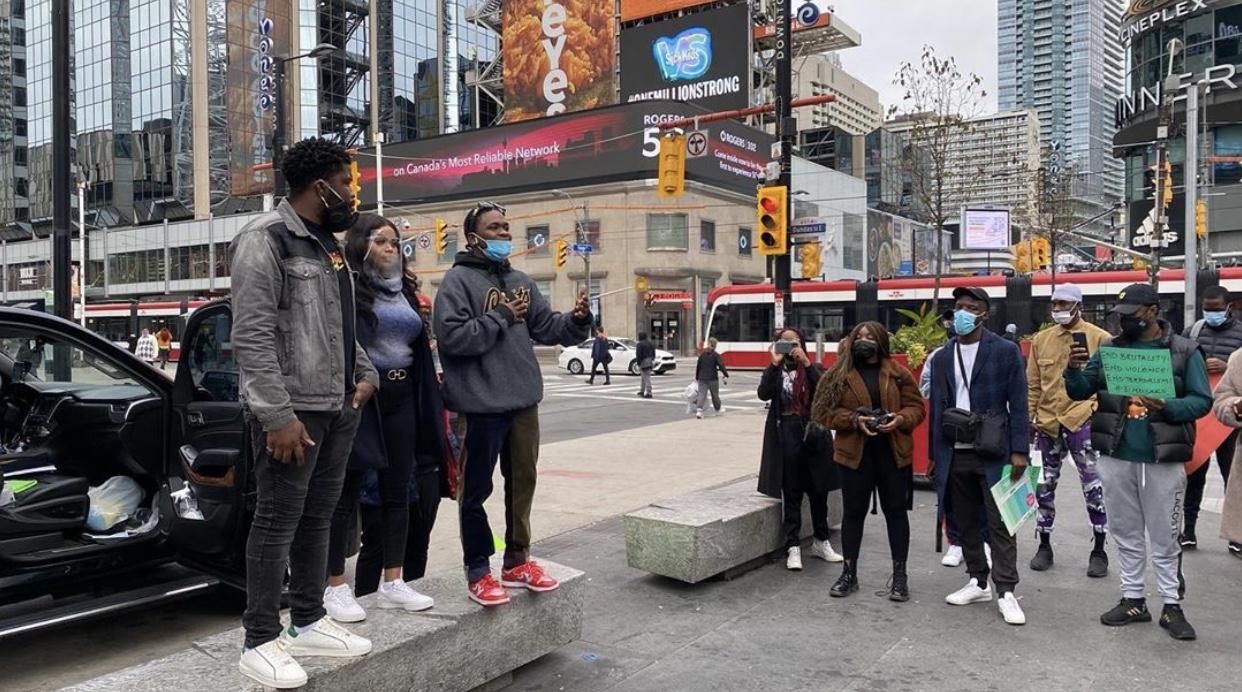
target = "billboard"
x: 1146, y: 230
x: 559, y: 57
x: 890, y: 243
x: 640, y: 9
x: 702, y: 58
x: 614, y: 143
x: 255, y: 31
x: 985, y: 229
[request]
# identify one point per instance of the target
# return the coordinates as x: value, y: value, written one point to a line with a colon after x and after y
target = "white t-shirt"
x: 968, y: 351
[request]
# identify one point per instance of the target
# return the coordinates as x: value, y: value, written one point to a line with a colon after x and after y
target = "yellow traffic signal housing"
x: 355, y: 184
x: 441, y: 236
x: 1201, y: 227
x: 1042, y: 250
x: 1166, y: 184
x: 561, y: 253
x: 672, y: 166
x: 812, y: 260
x: 1022, y: 257
x: 771, y: 208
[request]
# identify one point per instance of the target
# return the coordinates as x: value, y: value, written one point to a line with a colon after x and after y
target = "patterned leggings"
x: 1078, y: 446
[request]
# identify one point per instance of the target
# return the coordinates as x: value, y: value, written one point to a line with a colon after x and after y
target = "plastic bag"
x: 113, y: 502
x: 692, y: 392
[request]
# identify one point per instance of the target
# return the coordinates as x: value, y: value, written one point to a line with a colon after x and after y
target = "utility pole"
x: 279, y: 135
x: 379, y: 173
x: 1163, y: 182
x: 82, y: 247
x: 62, y: 181
x: 785, y: 131
x: 1190, y: 174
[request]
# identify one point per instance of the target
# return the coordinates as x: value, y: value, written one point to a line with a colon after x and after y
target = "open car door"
x: 205, y: 502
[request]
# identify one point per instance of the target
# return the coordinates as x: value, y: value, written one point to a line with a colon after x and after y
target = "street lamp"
x: 278, y: 135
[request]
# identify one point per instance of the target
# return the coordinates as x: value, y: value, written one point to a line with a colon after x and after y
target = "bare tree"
x: 939, y: 103
x: 1051, y: 211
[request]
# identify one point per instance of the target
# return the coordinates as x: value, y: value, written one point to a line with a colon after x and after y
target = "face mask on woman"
x: 864, y: 351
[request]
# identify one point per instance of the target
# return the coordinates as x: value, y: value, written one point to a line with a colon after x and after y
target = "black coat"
x: 823, y: 470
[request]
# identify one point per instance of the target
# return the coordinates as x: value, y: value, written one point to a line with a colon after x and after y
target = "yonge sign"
x: 1152, y: 14
x: 1148, y: 98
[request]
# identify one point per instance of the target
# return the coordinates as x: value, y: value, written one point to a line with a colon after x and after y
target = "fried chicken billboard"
x: 559, y: 57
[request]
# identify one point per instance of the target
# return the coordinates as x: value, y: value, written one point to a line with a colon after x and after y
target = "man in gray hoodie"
x: 486, y: 316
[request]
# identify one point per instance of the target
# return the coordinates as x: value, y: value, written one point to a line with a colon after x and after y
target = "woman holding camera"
x: 796, y: 462
x: 873, y: 404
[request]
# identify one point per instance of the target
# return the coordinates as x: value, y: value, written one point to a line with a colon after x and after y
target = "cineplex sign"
x: 1218, y: 77
x: 1146, y: 15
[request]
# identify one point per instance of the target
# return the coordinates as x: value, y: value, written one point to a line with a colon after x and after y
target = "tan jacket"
x: 1048, y: 406
x: 1229, y: 392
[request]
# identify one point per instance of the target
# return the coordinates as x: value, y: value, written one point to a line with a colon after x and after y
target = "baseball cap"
x: 1134, y: 297
x: 1067, y: 292
x: 972, y: 292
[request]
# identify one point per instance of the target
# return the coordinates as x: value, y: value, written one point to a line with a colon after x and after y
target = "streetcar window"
x: 743, y: 322
x: 830, y: 322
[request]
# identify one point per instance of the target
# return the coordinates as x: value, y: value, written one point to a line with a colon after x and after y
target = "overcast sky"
x: 894, y: 31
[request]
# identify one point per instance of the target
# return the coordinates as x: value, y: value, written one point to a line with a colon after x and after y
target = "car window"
x: 615, y: 346
x: 213, y: 366
x: 35, y: 354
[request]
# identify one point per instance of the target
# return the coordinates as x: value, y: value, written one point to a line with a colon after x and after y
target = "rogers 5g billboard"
x: 701, y: 58
x: 615, y: 143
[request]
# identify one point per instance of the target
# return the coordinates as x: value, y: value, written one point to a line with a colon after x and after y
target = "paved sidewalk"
x: 773, y: 629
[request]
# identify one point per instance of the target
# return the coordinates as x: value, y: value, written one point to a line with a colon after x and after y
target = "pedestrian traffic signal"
x: 812, y: 261
x: 1149, y: 182
x: 672, y: 166
x: 1201, y: 228
x: 355, y: 184
x: 441, y: 236
x: 561, y: 253
x: 771, y: 207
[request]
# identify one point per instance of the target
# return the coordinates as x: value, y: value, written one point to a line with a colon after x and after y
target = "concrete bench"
x: 457, y: 645
x: 718, y: 531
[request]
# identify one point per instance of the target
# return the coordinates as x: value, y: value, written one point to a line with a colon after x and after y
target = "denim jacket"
x: 287, y: 322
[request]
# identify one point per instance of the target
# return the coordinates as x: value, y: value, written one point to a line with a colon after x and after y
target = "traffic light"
x: 1149, y: 182
x: 771, y: 207
x: 1166, y: 184
x: 812, y: 260
x: 561, y: 253
x: 1041, y: 249
x: 441, y: 236
x: 672, y: 166
x: 355, y: 184
x: 1201, y: 229
x: 1022, y: 257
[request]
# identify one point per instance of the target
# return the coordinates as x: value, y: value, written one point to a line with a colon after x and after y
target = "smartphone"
x: 1080, y: 340
x: 784, y: 348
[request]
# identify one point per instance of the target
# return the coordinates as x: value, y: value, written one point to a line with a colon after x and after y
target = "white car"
x: 577, y: 359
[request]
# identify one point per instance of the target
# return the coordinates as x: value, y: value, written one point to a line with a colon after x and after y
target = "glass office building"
x: 1063, y: 59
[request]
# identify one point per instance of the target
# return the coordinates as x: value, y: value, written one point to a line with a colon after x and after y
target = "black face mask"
x: 339, y: 215
x: 864, y: 351
x: 1133, y: 327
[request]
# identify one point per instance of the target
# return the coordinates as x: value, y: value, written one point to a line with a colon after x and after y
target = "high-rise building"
x: 174, y: 100
x: 1063, y: 59
x: 856, y: 108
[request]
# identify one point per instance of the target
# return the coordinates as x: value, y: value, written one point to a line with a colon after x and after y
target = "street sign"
x: 780, y: 310
x: 641, y: 284
x: 424, y: 241
x: 807, y: 233
x: 582, y: 248
x: 407, y: 249
x: 696, y: 144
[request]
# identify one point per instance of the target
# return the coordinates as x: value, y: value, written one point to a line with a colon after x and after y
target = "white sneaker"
x: 326, y: 638
x: 341, y: 605
x: 823, y: 550
x: 1010, y: 609
x: 952, y: 557
x: 971, y: 593
x: 271, y: 666
x: 398, y: 594
x: 793, y: 558
x: 720, y: 411
x: 698, y: 414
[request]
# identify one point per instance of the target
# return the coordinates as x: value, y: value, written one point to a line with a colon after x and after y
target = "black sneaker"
x: 1173, y: 620
x: 1097, y: 564
x: 1187, y: 539
x: 1043, y: 558
x: 1126, y: 611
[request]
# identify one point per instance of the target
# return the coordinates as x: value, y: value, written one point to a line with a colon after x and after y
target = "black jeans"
x: 798, y: 479
x: 1196, y: 481
x: 595, y: 366
x: 371, y: 558
x: 292, y: 516
x: 971, y: 492
x: 399, y: 420
x: 877, y: 471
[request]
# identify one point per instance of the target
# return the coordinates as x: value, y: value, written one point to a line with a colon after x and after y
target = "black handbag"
x: 988, y: 433
x: 816, y: 438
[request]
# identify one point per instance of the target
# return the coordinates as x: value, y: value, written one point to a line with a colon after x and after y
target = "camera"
x: 882, y: 417
x: 784, y: 348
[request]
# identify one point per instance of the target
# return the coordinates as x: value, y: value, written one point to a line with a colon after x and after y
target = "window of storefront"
x: 589, y: 228
x: 545, y: 289
x: 667, y: 232
x: 537, y: 240
x: 1227, y: 142
x: 707, y: 235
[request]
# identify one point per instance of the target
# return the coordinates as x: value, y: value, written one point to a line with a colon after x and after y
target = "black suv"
x: 78, y: 410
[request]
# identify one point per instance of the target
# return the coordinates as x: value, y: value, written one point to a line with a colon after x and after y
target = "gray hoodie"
x: 489, y: 365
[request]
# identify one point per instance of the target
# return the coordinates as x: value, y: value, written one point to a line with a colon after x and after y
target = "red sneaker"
x: 486, y: 592
x: 528, y: 575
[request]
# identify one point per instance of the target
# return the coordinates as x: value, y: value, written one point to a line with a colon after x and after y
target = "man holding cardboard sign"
x: 1152, y: 385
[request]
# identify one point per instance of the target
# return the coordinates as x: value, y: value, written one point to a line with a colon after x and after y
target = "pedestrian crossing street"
x: 738, y: 395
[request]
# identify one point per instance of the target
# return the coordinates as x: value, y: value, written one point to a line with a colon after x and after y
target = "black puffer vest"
x: 1175, y: 442
x: 1218, y: 342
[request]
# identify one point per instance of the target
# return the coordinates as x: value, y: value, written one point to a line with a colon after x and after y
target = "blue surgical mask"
x: 1215, y: 318
x: 964, y: 322
x: 497, y: 250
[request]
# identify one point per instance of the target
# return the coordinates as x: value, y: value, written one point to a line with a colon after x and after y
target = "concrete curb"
x: 456, y: 646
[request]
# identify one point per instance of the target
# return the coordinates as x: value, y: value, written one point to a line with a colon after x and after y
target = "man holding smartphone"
x: 1062, y: 427
x: 487, y: 314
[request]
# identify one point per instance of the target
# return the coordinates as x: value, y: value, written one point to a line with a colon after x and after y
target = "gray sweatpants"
x: 708, y: 387
x: 645, y: 386
x: 1145, y: 497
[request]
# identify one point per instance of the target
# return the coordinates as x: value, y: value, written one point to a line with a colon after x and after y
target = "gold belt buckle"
x: 397, y: 375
